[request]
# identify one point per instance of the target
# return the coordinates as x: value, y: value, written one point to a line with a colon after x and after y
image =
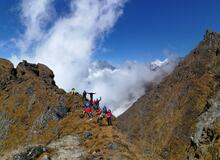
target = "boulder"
x: 87, y: 135
x: 112, y: 146
x: 30, y: 153
x: 52, y: 113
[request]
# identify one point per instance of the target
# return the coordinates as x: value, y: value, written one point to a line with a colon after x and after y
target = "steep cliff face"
x: 38, y: 120
x: 175, y: 119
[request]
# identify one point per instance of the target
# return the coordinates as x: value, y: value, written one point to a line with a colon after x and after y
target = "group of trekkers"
x: 92, y: 107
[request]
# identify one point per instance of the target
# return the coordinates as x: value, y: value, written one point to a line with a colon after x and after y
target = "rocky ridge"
x: 38, y: 120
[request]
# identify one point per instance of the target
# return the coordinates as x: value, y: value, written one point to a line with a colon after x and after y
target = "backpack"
x: 87, y: 104
x: 104, y: 109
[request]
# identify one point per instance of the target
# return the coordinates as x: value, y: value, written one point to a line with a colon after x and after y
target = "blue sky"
x: 144, y: 32
x: 148, y: 27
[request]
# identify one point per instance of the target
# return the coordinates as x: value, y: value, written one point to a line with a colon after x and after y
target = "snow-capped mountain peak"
x: 158, y: 64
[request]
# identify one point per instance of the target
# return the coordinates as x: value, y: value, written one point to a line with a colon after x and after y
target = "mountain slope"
x: 168, y: 122
x: 38, y: 120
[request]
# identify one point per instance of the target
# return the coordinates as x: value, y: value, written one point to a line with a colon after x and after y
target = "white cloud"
x: 122, y: 86
x: 67, y: 46
x: 34, y: 15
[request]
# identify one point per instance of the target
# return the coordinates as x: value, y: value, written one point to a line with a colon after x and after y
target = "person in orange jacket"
x: 109, y: 117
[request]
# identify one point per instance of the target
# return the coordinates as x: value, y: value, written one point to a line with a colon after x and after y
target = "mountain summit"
x: 180, y: 117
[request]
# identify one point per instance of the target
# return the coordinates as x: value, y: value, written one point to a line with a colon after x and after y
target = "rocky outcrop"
x: 205, y: 140
x: 163, y: 121
x: 29, y: 100
x: 65, y: 148
x: 72, y: 149
x: 7, y: 73
x: 30, y: 153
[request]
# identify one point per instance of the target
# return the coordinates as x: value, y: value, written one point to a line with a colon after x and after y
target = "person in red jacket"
x: 99, y: 111
x: 88, y: 111
x: 100, y: 116
x: 109, y: 117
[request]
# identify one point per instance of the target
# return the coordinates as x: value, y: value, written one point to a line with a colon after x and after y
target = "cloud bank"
x: 66, y: 45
